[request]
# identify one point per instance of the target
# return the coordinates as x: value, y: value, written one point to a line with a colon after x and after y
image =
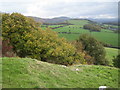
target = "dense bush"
x: 79, y: 47
x: 48, y: 47
x: 28, y: 40
x: 116, y: 61
x: 92, y: 27
x: 93, y: 48
x: 14, y: 28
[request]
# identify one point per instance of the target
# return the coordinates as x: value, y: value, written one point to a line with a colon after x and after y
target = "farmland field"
x: 106, y: 36
x: 74, y: 31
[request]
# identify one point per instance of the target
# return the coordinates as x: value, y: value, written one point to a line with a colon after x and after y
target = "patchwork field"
x: 106, y: 36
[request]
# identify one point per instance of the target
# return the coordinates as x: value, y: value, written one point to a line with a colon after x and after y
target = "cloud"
x: 60, y: 0
x: 104, y: 16
x: 55, y: 8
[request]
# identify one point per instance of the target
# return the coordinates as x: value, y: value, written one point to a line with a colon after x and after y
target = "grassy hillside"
x: 110, y: 54
x: 30, y: 73
x: 106, y: 36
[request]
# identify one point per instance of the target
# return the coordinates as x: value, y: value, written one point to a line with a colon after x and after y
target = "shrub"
x: 93, y: 48
x: 79, y: 48
x: 48, y: 47
x: 116, y: 61
x: 14, y: 28
x: 28, y: 40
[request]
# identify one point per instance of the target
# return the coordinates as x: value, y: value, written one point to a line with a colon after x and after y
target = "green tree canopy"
x: 116, y: 61
x: 29, y: 40
x: 14, y: 28
x: 93, y: 48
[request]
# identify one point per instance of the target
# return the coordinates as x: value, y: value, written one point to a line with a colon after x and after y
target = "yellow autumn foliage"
x: 29, y: 40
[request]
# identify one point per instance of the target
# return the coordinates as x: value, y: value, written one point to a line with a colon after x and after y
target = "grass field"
x: 110, y: 54
x: 30, y: 73
x: 106, y: 36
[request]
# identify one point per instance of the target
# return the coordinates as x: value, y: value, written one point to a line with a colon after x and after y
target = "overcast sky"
x: 56, y: 8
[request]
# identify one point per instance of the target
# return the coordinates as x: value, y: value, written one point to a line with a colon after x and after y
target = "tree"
x: 29, y: 40
x: 79, y: 48
x: 116, y: 61
x: 47, y: 46
x: 14, y: 28
x: 93, y: 48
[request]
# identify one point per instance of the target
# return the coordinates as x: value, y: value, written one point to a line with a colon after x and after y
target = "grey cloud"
x: 90, y: 8
x: 71, y: 9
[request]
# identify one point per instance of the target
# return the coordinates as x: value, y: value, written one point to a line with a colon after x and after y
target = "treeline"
x: 92, y: 27
x: 56, y: 27
x: 57, y: 23
x: 53, y: 27
x: 22, y: 36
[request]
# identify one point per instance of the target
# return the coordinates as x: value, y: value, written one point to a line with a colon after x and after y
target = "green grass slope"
x: 30, y: 73
x: 105, y: 35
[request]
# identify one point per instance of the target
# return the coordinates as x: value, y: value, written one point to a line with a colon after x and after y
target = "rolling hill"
x: 106, y: 36
x: 63, y: 18
x: 48, y: 20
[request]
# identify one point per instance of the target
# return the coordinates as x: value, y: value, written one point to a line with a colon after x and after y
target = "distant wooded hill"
x: 53, y: 20
x: 105, y: 20
x: 63, y: 19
